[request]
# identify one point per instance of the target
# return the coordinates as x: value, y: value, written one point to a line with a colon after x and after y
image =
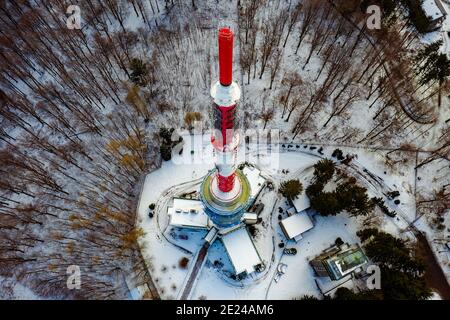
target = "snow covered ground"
x: 163, y: 251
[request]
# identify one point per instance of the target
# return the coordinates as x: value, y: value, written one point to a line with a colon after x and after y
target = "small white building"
x: 301, y: 203
x: 255, y: 180
x: 186, y: 213
x: 211, y: 235
x: 297, y: 224
x: 242, y: 252
x: 250, y: 218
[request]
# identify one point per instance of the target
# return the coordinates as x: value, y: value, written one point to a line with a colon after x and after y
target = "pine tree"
x: 291, y: 189
x: 326, y: 203
x: 139, y: 72
x: 324, y: 170
x: 354, y: 198
x: 402, y: 273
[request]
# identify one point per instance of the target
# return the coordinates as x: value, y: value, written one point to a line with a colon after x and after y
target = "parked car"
x: 393, y: 194
x: 290, y: 251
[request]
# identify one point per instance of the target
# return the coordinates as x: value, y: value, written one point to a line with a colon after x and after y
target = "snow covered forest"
x: 81, y: 111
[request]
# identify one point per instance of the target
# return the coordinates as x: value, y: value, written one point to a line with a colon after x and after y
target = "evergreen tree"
x: 324, y: 170
x: 291, y: 189
x: 166, y: 135
x: 166, y: 152
x: 314, y: 190
x: 326, y: 203
x: 354, y: 199
x: 391, y: 252
x: 433, y: 66
x: 139, y: 72
x: 399, y: 285
x: 347, y: 196
x: 402, y: 274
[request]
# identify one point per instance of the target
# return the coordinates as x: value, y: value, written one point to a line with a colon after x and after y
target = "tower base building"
x: 225, y: 209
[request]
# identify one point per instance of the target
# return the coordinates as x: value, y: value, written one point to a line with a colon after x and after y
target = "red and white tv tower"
x: 225, y: 191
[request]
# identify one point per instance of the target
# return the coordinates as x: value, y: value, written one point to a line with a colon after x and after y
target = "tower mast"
x: 225, y: 94
x: 225, y: 191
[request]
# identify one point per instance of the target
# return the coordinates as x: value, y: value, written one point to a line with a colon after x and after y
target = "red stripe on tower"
x: 226, y: 56
x: 227, y: 121
x: 226, y: 184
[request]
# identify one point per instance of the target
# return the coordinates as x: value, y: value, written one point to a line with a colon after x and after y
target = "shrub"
x: 338, y: 154
x: 253, y: 231
x: 166, y: 152
x: 166, y: 135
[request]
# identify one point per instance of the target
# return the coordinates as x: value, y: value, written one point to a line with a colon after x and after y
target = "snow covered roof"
x: 186, y: 213
x: 241, y: 250
x: 433, y: 9
x: 212, y: 235
x: 255, y: 180
x: 301, y: 203
x: 249, y: 215
x: 296, y: 224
